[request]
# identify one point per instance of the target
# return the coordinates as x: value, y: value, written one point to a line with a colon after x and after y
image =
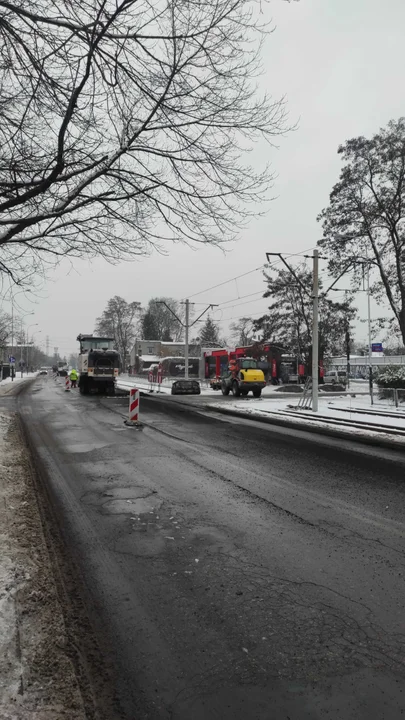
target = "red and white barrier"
x: 67, y: 384
x: 159, y: 378
x: 134, y: 405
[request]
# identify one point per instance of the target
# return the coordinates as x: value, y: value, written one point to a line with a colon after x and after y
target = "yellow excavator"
x: 243, y: 376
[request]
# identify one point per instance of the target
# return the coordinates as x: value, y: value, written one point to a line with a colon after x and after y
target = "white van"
x: 335, y: 377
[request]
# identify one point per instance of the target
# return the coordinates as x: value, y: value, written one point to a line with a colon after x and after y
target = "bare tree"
x: 122, y: 126
x: 159, y: 323
x: 118, y: 321
x: 5, y: 328
x: 366, y: 214
x: 243, y: 331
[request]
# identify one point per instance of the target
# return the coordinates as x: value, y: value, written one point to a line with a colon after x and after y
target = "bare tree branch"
x: 123, y: 125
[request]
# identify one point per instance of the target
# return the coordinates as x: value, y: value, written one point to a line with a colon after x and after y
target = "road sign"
x: 376, y: 347
x: 11, y: 359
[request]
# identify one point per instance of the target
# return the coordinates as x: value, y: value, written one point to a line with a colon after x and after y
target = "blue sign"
x: 11, y: 359
x: 376, y: 347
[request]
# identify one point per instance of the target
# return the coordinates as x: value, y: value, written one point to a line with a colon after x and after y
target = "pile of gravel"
x: 332, y: 387
x: 290, y: 388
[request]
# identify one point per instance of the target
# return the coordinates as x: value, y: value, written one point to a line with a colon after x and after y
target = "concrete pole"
x: 186, y: 338
x: 12, y: 367
x: 347, y: 341
x: 370, y: 369
x: 21, y: 348
x: 315, y: 344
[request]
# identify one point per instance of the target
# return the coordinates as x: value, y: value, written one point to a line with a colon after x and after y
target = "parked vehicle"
x: 186, y: 387
x: 216, y: 383
x: 335, y: 377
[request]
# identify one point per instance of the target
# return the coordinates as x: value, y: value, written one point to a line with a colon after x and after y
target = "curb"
x: 338, y: 433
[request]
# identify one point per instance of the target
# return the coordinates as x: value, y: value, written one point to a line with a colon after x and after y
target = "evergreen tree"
x: 288, y: 322
x: 159, y: 322
x: 209, y: 336
x: 150, y: 329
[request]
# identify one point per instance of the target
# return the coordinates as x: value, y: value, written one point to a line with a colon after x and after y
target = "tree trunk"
x: 402, y: 319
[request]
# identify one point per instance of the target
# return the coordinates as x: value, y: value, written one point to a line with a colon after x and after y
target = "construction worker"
x: 74, y: 376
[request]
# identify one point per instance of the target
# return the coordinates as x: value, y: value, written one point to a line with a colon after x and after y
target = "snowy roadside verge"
x: 37, y: 677
x: 369, y: 437
x: 8, y: 386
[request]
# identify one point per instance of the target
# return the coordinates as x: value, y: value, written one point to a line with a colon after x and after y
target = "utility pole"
x: 47, y: 346
x: 347, y: 342
x: 315, y: 343
x: 186, y: 326
x: 315, y: 318
x: 186, y: 337
x: 12, y: 368
x: 370, y: 369
x: 28, y: 342
x: 21, y: 347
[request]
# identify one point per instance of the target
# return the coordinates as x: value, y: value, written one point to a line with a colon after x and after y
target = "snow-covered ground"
x: 8, y: 383
x: 356, y: 409
x: 271, y: 392
x: 125, y: 382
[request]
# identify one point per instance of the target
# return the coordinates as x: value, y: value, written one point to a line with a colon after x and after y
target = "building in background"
x: 149, y: 352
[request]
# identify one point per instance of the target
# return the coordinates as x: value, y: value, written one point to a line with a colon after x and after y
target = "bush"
x: 390, y: 376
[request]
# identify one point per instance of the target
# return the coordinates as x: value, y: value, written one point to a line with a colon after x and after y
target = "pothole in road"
x: 131, y: 505
x: 132, y: 500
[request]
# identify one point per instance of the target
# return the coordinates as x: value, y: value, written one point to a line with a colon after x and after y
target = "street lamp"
x: 22, y: 338
x: 28, y: 341
x: 13, y: 297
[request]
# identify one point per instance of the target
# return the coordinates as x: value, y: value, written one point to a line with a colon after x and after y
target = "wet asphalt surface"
x: 232, y: 571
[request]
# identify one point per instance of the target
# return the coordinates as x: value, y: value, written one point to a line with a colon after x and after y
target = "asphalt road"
x: 234, y: 571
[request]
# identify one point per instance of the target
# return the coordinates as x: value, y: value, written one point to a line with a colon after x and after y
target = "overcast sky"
x: 340, y: 64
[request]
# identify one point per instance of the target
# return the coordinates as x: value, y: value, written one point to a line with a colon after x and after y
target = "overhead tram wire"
x: 249, y: 302
x: 261, y: 267
x: 249, y: 272
x: 257, y: 314
x: 242, y: 297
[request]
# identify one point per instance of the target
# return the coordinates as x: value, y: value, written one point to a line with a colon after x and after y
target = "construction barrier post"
x: 159, y: 378
x: 67, y: 384
x: 133, y: 420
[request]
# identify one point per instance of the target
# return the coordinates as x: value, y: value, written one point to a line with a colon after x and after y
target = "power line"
x: 227, y: 302
x: 249, y: 302
x: 227, y: 281
x: 258, y: 314
x: 249, y: 272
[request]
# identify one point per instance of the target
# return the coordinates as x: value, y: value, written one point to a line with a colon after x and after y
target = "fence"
x: 393, y: 397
